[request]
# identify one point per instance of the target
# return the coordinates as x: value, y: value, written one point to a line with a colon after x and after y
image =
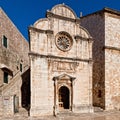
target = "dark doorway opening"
x: 64, y: 98
x: 16, y: 103
x: 25, y: 90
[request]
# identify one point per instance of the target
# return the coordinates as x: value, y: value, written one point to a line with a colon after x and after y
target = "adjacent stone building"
x: 61, y: 64
x: 104, y: 27
x: 14, y: 63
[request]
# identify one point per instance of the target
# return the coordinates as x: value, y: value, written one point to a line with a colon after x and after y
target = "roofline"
x: 66, y: 6
x: 106, y: 9
x: 2, y: 10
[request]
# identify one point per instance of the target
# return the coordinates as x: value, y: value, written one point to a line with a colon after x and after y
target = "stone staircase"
x: 15, y: 79
x: 5, y: 87
x: 66, y: 113
x: 10, y: 89
x: 70, y: 113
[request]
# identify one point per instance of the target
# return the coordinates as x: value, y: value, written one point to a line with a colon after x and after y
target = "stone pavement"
x: 113, y: 115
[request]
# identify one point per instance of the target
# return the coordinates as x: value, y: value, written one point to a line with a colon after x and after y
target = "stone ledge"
x: 40, y: 30
x: 50, y: 14
x: 83, y: 38
x: 57, y: 57
x: 112, y: 48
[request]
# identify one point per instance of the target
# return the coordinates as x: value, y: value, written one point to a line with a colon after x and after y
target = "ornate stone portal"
x: 61, y: 64
x: 63, y: 93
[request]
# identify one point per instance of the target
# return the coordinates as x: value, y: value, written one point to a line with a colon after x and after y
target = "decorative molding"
x: 64, y: 76
x: 83, y: 38
x: 50, y: 14
x: 64, y: 66
x: 40, y: 30
x: 49, y: 31
x: 58, y: 57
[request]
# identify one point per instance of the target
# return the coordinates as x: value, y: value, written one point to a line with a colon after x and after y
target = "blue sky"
x: 24, y: 13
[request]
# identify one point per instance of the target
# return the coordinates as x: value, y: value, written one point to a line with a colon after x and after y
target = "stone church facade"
x: 61, y: 64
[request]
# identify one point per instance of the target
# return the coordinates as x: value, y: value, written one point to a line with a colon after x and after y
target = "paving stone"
x: 111, y: 115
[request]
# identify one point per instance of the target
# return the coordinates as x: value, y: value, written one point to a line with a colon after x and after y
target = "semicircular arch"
x: 64, y: 10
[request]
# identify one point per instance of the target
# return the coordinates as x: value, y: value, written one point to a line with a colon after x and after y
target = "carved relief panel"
x: 64, y: 66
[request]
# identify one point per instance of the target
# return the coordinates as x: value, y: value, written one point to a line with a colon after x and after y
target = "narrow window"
x: 99, y: 93
x: 5, y: 77
x: 5, y: 42
x: 20, y: 67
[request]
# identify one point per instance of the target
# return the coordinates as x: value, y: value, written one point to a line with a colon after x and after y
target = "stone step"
x: 98, y: 109
x: 65, y: 113
x: 22, y: 112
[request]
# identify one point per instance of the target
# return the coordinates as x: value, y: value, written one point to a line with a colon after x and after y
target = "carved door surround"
x: 63, y: 80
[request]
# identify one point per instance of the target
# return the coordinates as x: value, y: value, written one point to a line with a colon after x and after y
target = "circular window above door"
x: 64, y: 41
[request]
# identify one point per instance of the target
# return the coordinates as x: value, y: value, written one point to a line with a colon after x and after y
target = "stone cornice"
x: 58, y: 57
x: 83, y: 38
x: 50, y: 14
x: 112, y: 48
x: 104, y: 10
x: 112, y: 11
x: 64, y: 76
x: 40, y: 30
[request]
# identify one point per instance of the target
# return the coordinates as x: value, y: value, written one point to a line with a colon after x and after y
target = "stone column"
x: 90, y: 86
x: 55, y: 109
x: 72, y: 94
x: 49, y: 41
x: 77, y: 47
x: 90, y: 47
x: 90, y: 74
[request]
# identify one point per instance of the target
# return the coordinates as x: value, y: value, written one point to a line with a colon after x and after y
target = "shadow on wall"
x: 25, y: 90
x: 99, y: 70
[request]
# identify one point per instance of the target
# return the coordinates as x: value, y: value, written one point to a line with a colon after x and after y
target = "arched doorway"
x: 64, y: 96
